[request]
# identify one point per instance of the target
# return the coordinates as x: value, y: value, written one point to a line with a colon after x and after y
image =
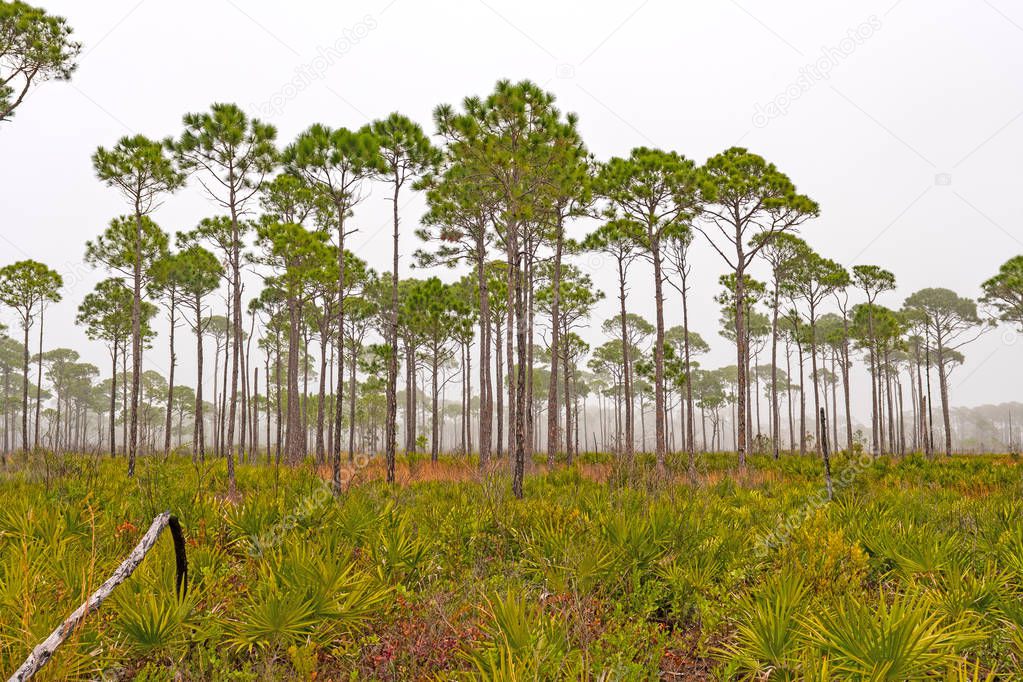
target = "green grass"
x: 914, y: 572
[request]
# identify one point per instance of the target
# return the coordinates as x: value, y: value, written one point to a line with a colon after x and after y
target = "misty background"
x: 901, y: 119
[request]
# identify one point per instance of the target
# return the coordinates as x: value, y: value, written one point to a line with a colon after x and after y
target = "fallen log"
x: 41, y: 655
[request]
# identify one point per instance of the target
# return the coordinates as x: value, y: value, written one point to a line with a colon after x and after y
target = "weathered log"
x: 41, y: 655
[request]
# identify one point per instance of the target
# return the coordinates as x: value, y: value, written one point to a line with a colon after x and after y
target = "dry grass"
x: 461, y: 471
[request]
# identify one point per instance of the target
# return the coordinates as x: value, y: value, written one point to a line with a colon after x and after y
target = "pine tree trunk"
x: 499, y: 381
x: 463, y: 431
x: 278, y: 404
x: 304, y: 412
x: 222, y: 415
x: 802, y: 401
x: 113, y: 401
x: 553, y: 439
x: 521, y: 340
x: 889, y: 400
x: 236, y: 343
x: 819, y: 431
x: 391, y: 424
x: 136, y: 344
x: 943, y: 388
x: 353, y: 386
x: 39, y: 374
x: 293, y: 446
x: 740, y: 350
x: 321, y: 450
x: 568, y: 405
x: 509, y: 353
x: 243, y: 419
x: 170, y: 380
x: 341, y: 210
x: 775, y: 412
x: 255, y: 413
x: 823, y: 420
x: 875, y: 403
x: 124, y: 398
x: 630, y: 449
x: 571, y: 440
x: 659, y: 442
x: 529, y: 411
x: 486, y: 387
x: 788, y: 396
x: 845, y: 386
x: 834, y: 401
x: 410, y: 389
x: 434, y: 398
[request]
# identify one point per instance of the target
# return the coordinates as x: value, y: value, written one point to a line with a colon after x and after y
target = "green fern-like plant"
x: 523, y: 643
x: 768, y: 633
x: 905, y: 640
x: 154, y: 623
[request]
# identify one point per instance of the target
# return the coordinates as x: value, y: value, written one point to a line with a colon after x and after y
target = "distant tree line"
x: 507, y: 178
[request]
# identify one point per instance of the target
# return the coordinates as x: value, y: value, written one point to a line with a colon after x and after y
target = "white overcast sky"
x: 902, y: 119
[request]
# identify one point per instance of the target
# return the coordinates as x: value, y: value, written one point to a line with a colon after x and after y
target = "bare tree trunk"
x: 244, y: 417
x: 353, y: 386
x: 113, y: 400
x: 170, y: 381
x: 321, y: 450
x: 630, y: 448
x: 26, y: 357
x: 568, y: 406
x: 305, y: 389
x: 255, y: 413
x: 222, y: 417
x: 775, y: 411
x: 486, y: 387
x: 338, y: 406
x: 464, y: 425
x: 740, y: 349
x: 499, y: 393
x: 659, y: 443
x: 434, y: 400
x: 236, y: 340
x: 293, y: 446
x: 509, y: 352
x: 819, y: 434
x: 888, y: 397
x: 468, y: 395
x: 845, y: 388
x: 277, y: 400
x: 136, y: 345
x: 875, y: 403
x: 788, y: 396
x: 266, y: 373
x: 391, y: 424
x: 834, y: 401
x: 509, y: 338
x: 943, y: 388
x: 521, y: 340
x: 552, y: 391
x: 39, y: 381
x: 802, y: 401
x: 902, y: 424
x: 824, y: 449
x: 410, y: 392
x: 530, y: 411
